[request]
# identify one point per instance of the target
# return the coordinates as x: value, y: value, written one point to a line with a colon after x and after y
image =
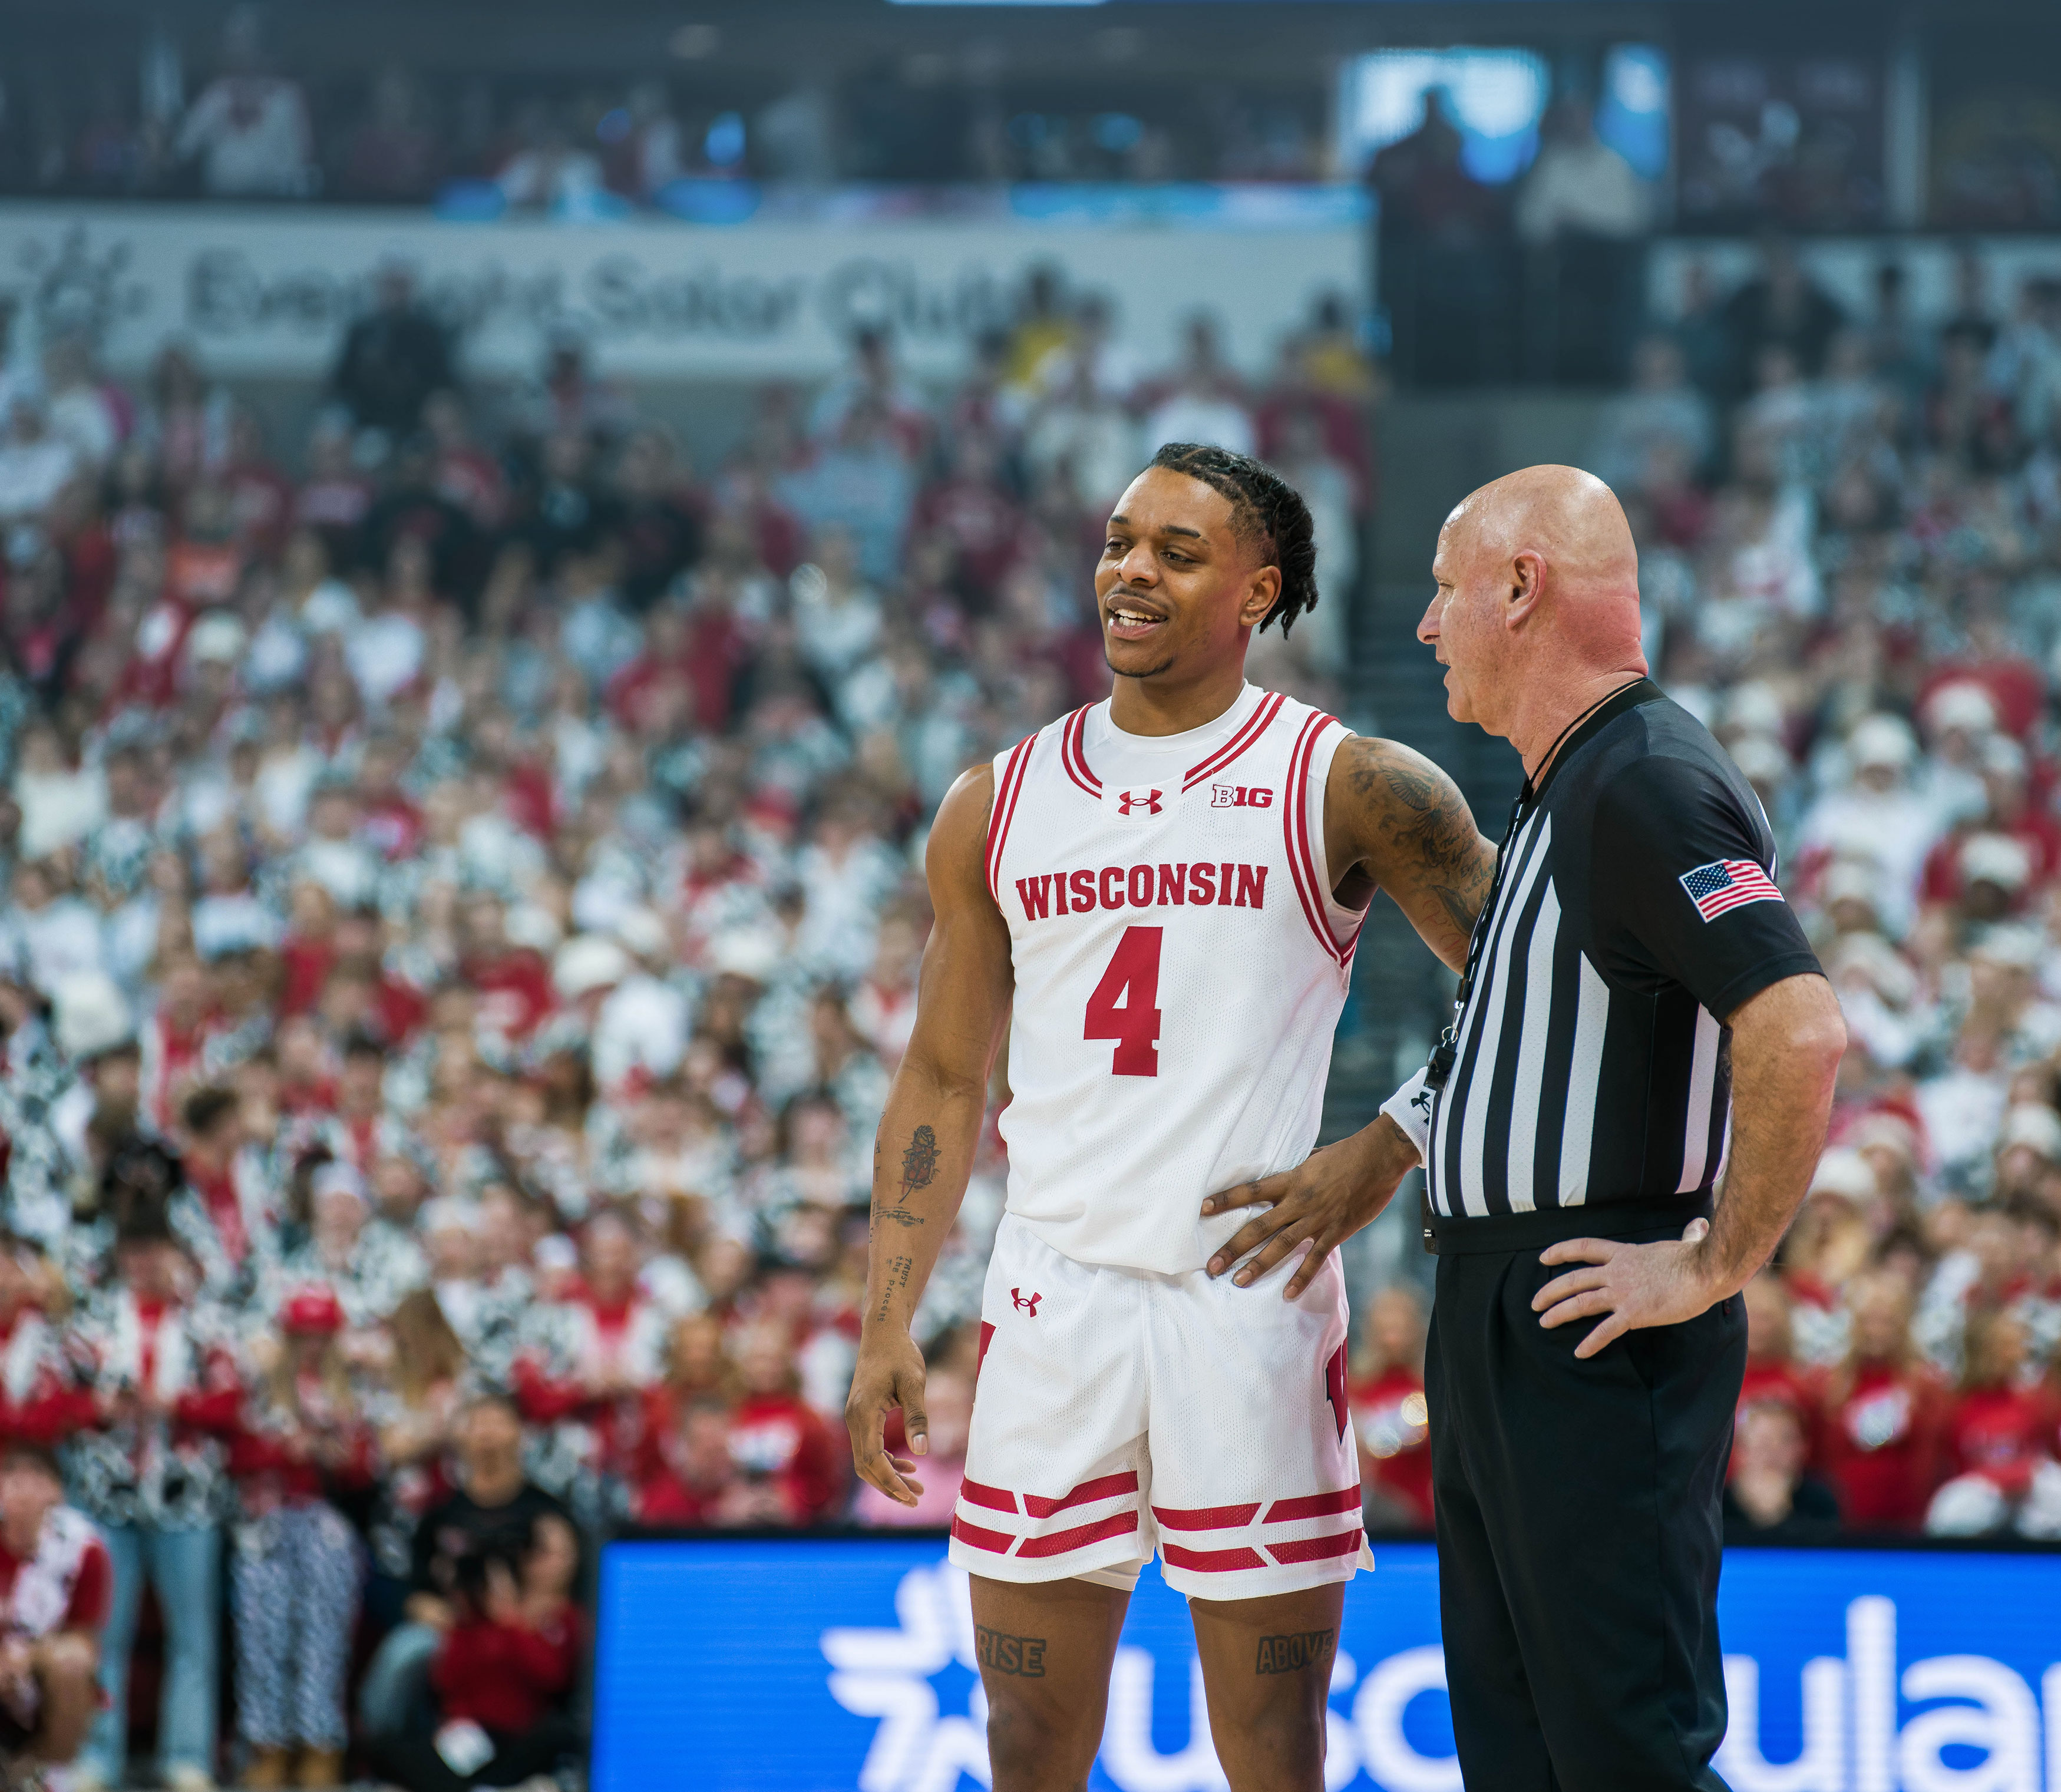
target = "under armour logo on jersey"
x: 1128, y: 800
x: 1240, y: 796
x: 1025, y: 1304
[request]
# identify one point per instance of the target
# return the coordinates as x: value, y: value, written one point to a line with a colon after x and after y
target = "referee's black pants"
x: 1578, y: 1534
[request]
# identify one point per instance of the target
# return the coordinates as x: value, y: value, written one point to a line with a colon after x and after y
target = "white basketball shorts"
x: 1120, y: 1412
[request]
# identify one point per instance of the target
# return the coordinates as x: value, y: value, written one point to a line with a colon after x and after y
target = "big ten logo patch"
x: 1240, y: 796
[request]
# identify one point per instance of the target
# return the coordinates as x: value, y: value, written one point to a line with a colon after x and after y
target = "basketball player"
x: 1156, y: 898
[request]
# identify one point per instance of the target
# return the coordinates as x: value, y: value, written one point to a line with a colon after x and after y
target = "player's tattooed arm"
x: 919, y: 1169
x: 1393, y: 819
x: 930, y: 1133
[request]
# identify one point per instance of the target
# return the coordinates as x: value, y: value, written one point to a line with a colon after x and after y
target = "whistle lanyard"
x: 1447, y: 1054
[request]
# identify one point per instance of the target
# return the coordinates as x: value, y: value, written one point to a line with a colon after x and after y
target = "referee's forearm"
x: 1787, y: 1043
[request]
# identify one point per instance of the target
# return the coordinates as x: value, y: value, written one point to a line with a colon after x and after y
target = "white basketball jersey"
x: 1180, y: 965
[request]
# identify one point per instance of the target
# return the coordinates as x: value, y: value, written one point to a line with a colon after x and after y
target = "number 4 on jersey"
x: 1131, y: 1020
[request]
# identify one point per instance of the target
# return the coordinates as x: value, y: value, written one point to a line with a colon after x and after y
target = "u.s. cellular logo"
x: 1984, y: 1726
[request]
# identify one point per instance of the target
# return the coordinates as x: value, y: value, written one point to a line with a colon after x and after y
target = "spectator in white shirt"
x: 1205, y: 403
x: 35, y: 464
x: 249, y: 127
x: 81, y: 413
x: 1580, y: 184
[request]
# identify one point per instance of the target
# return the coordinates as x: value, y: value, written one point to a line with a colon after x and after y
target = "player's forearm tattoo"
x: 1293, y: 1652
x: 1022, y: 1656
x: 897, y: 1278
x: 919, y: 1168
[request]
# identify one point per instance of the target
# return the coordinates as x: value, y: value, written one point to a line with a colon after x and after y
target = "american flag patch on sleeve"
x: 1726, y: 884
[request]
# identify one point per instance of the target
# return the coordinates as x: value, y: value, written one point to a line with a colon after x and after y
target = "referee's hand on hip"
x: 1786, y: 1043
x: 1630, y: 1284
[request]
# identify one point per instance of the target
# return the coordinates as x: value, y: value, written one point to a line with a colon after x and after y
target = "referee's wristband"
x: 1416, y: 1121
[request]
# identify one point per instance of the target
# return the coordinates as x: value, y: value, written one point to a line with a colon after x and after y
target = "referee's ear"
x: 1527, y: 585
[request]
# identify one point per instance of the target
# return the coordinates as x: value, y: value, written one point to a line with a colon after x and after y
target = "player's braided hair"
x: 1265, y: 510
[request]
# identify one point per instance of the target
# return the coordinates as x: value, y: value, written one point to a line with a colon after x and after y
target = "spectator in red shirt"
x: 513, y: 982
x: 790, y: 1473
x: 214, y: 1137
x: 685, y: 1466
x: 1883, y: 1413
x: 503, y: 1671
x: 969, y: 509
x: 308, y: 952
x: 386, y: 817
x: 592, y: 1355
x: 1773, y: 1376
x: 42, y: 1402
x: 1996, y: 1434
x: 1389, y: 1414
x: 56, y: 1584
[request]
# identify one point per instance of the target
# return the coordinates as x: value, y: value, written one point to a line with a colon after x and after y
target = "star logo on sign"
x: 894, y: 1675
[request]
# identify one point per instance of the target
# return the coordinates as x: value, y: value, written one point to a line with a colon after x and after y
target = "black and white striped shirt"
x: 1634, y: 908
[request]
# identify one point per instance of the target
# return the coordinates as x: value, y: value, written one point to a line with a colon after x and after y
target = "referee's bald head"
x: 1537, y: 579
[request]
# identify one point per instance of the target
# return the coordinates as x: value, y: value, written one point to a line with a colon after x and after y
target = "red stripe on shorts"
x: 1104, y: 1486
x: 987, y: 1338
x: 996, y: 1499
x: 1317, y: 1549
x: 1205, y: 1518
x: 1212, y: 1562
x: 1060, y: 1542
x: 1313, y: 1505
x: 998, y: 1540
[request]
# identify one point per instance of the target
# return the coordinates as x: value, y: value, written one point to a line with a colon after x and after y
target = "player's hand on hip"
x: 1321, y: 1202
x: 888, y: 1373
x: 1628, y: 1286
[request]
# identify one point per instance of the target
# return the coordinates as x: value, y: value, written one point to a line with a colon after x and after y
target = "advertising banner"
x: 270, y: 290
x: 803, y: 1665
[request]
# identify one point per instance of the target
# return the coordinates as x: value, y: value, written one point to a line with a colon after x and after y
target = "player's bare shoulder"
x: 1393, y: 815
x: 954, y: 857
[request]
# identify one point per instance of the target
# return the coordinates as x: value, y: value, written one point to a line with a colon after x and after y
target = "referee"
x: 1640, y: 1011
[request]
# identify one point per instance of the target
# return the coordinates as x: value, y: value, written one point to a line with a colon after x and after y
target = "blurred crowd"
x: 1850, y: 535
x: 238, y: 121
x: 463, y: 907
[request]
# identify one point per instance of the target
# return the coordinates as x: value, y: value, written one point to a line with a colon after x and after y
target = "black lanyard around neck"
x: 1447, y: 1053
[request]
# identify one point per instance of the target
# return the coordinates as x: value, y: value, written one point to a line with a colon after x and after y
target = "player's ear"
x: 1261, y: 596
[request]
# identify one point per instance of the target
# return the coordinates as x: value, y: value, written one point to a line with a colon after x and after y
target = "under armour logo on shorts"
x: 1029, y: 1306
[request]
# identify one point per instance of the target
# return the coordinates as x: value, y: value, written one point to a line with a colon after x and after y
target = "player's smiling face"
x: 1177, y: 586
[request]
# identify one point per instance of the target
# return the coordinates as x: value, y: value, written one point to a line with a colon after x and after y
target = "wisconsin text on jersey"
x: 1224, y: 885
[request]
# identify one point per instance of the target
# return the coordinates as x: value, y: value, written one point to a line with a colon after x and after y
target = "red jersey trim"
x: 997, y: 1541
x: 1071, y: 755
x: 1063, y: 1542
x: 1106, y: 1486
x: 1317, y: 1549
x: 1313, y: 1505
x: 1004, y: 811
x: 1205, y: 1518
x: 1295, y: 832
x: 1256, y: 724
x: 995, y: 1499
x: 1212, y: 1561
